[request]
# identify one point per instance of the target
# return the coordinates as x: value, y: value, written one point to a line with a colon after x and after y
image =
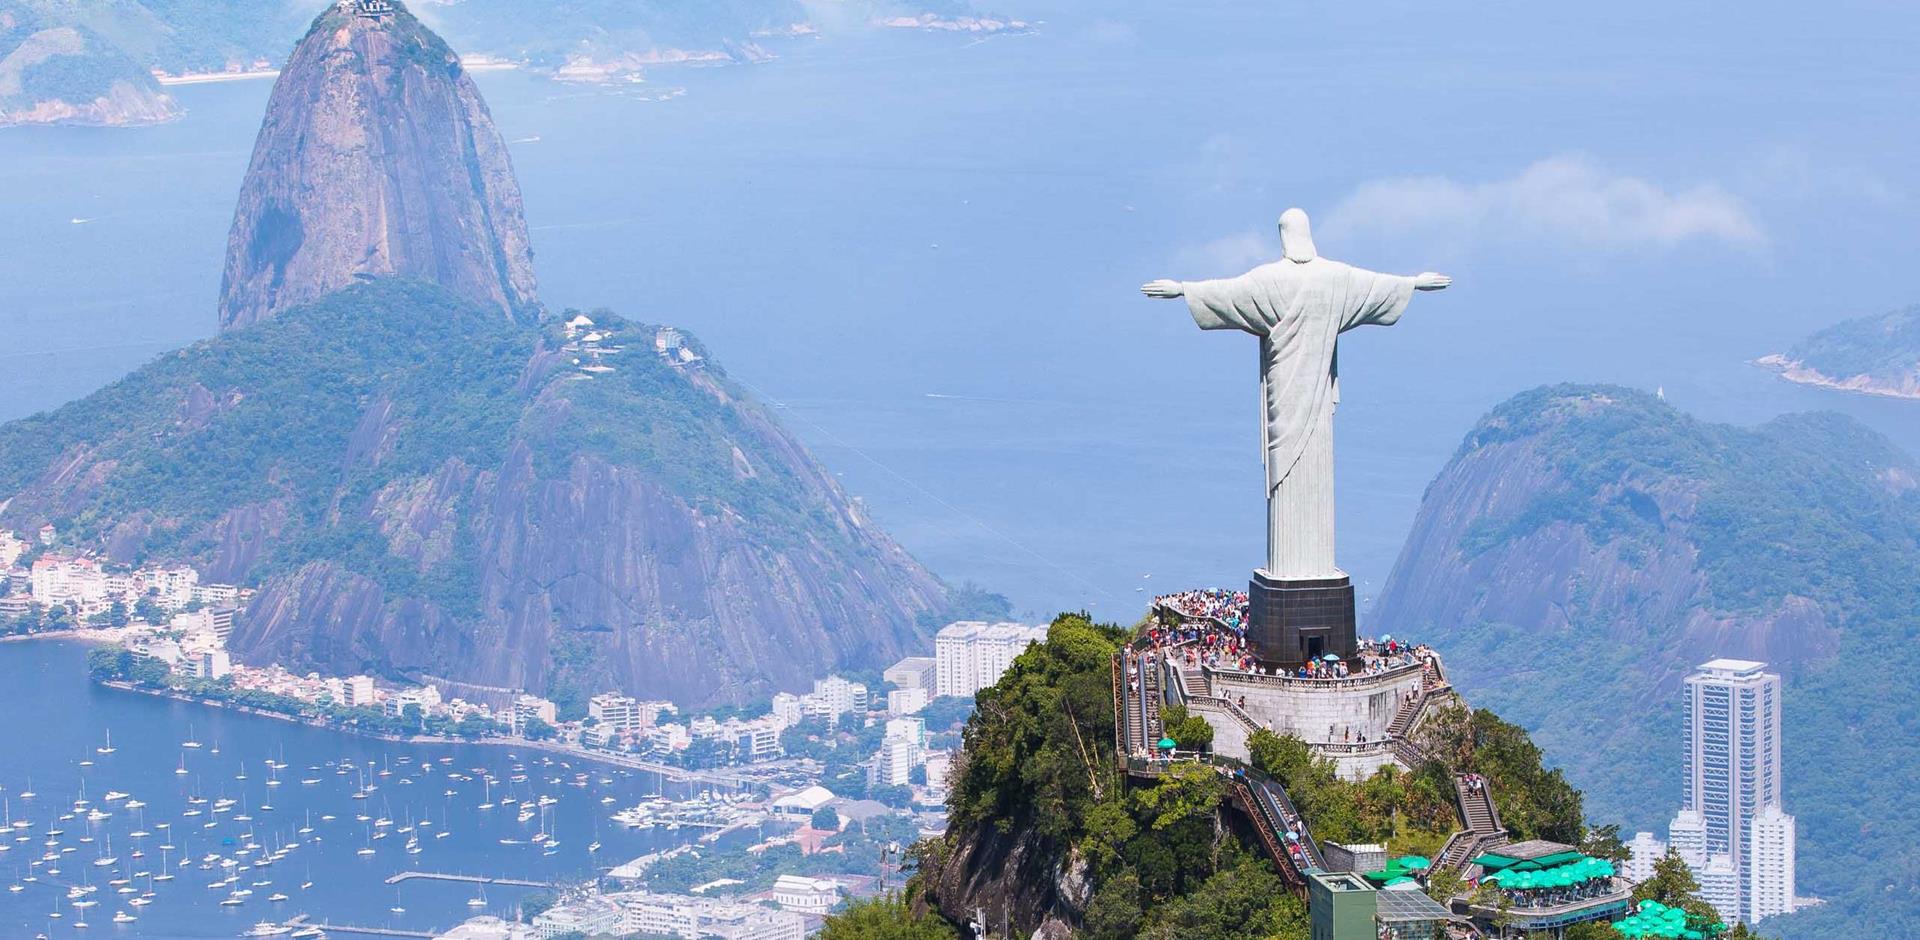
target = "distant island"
x: 1878, y: 355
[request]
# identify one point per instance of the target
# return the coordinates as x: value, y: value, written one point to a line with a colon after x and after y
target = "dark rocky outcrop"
x: 377, y: 157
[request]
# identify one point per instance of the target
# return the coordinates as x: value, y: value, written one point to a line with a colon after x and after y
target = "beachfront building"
x: 695, y: 918
x: 526, y: 708
x: 588, y: 917
x: 615, y: 711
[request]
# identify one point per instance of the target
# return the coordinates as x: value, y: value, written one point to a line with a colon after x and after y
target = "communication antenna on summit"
x: 370, y: 9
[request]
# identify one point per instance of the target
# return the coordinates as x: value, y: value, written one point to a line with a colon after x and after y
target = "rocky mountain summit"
x: 377, y: 157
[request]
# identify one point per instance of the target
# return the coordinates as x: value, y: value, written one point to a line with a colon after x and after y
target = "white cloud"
x: 1568, y: 199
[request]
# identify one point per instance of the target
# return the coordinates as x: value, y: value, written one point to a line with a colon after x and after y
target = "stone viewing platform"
x: 1358, y: 711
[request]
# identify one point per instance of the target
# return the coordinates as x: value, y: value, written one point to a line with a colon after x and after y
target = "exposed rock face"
x: 420, y: 488
x: 377, y: 157
x: 69, y: 75
x: 1587, y: 547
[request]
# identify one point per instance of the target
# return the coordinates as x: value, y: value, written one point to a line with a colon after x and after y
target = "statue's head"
x: 1296, y: 236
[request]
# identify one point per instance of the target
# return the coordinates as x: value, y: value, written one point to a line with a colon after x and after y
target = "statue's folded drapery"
x: 1299, y: 309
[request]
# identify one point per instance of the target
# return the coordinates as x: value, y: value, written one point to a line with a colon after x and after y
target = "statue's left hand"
x: 1431, y: 281
x: 1162, y: 289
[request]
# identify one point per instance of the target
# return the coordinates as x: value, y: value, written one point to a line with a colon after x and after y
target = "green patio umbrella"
x: 1414, y: 862
x: 1168, y: 744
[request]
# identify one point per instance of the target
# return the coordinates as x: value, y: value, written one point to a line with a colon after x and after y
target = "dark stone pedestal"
x: 1290, y: 622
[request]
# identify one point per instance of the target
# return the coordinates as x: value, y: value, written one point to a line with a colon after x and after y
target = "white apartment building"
x: 359, y: 691
x: 528, y: 707
x: 11, y: 548
x: 893, y: 763
x: 1642, y: 851
x: 805, y: 895
x: 906, y: 701
x: 1719, y: 884
x: 914, y: 672
x: 590, y: 917
x: 696, y: 918
x: 1770, y: 864
x: 616, y: 711
x: 971, y: 655
x: 1733, y: 776
x: 833, y: 697
x: 786, y: 708
x: 212, y: 664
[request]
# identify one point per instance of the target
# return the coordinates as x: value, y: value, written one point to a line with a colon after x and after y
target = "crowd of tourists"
x: 1228, y: 607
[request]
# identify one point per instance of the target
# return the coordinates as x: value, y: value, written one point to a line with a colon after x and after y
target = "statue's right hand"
x: 1162, y: 289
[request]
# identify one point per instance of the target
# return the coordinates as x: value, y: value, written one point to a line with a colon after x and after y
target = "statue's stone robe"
x: 1299, y: 309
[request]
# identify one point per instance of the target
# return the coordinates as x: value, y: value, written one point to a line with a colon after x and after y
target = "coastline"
x: 666, y: 771
x: 1797, y: 372
x: 207, y: 78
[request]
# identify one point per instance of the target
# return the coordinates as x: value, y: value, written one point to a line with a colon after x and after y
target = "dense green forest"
x: 274, y: 414
x: 1166, y: 859
x: 1814, y: 507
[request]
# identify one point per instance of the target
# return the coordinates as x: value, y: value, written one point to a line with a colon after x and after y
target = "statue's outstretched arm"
x: 1162, y: 289
x: 1427, y: 280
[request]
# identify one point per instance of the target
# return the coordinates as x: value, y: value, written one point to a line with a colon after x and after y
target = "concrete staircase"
x: 1482, y: 821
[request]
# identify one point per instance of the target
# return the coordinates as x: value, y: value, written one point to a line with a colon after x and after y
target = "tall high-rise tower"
x: 1732, y: 710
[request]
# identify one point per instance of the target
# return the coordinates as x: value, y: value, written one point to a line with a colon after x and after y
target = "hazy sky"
x: 926, y: 247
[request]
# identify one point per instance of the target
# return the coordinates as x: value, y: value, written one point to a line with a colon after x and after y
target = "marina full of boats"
x: 249, y: 826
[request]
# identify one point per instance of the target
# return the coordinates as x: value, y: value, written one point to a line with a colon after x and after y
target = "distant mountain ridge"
x: 53, y: 72
x: 1878, y: 355
x: 591, y: 40
x: 1588, y: 545
x: 377, y: 157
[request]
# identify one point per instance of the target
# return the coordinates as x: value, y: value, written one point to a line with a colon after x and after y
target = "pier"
x: 469, y: 879
x: 304, y: 921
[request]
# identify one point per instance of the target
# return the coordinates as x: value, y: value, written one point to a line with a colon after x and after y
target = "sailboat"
x: 190, y: 742
x: 182, y: 769
x: 106, y: 748
x: 478, y: 900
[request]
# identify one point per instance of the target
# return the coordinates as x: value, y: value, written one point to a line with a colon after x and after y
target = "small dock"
x: 469, y: 879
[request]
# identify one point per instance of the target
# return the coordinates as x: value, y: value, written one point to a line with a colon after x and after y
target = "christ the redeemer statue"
x: 1298, y: 306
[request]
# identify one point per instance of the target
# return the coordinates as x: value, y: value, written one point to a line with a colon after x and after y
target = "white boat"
x: 106, y: 748
x: 122, y: 917
x: 267, y: 929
